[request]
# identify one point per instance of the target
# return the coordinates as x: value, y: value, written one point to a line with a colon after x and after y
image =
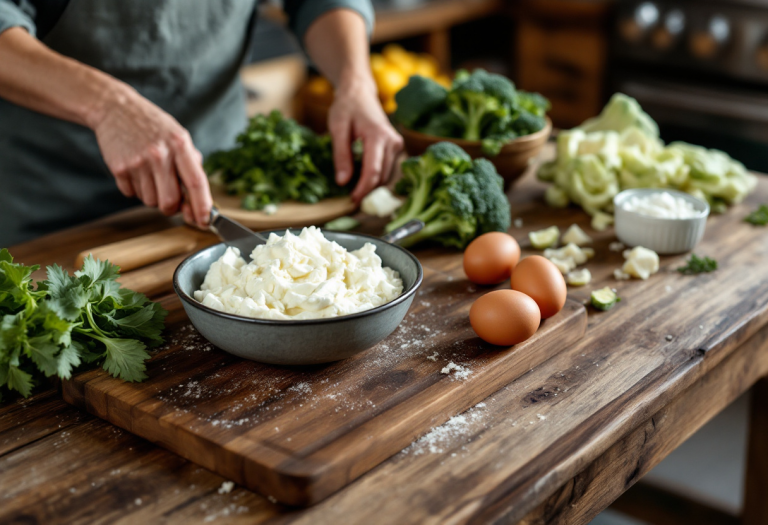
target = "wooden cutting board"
x: 289, y: 214
x: 298, y: 434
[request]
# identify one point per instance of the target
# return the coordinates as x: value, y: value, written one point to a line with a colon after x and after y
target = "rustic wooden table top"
x: 555, y: 446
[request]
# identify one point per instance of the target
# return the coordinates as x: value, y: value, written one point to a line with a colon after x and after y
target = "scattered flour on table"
x: 447, y: 436
x: 461, y: 371
x: 226, y: 487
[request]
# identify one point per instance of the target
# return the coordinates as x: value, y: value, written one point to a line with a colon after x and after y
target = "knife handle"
x: 151, y: 248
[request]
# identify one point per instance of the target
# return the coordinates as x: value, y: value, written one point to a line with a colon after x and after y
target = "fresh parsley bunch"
x: 275, y: 160
x: 698, y: 264
x: 759, y: 217
x: 69, y: 320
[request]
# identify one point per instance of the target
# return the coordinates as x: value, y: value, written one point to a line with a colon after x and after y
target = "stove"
x: 700, y: 68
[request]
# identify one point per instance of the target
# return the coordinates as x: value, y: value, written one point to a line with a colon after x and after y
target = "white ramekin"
x: 655, y: 233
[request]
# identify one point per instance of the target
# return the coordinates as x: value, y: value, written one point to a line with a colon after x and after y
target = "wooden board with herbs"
x: 557, y: 445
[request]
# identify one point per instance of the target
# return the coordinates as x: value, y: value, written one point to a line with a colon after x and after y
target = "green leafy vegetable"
x: 275, y: 160
x: 456, y: 197
x: 68, y: 320
x: 698, y: 264
x: 759, y: 217
x: 479, y: 106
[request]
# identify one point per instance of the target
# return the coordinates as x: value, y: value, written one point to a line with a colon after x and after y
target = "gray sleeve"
x: 19, y: 14
x: 302, y: 13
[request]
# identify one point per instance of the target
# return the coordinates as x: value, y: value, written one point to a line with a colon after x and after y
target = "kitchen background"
x: 698, y: 67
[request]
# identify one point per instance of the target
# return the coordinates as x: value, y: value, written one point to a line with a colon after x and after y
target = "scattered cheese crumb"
x: 640, y: 262
x: 226, y: 487
x: 518, y: 223
x: 669, y: 338
x: 461, y: 372
x: 270, y: 209
x: 575, y: 235
x: 616, y: 246
x: 619, y: 275
x: 601, y: 221
x: 433, y: 357
x: 541, y: 417
x: 137, y: 501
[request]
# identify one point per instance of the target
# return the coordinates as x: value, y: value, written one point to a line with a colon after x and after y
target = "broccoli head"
x: 420, y: 97
x: 462, y: 206
x: 480, y: 98
x: 420, y: 175
x: 533, y: 103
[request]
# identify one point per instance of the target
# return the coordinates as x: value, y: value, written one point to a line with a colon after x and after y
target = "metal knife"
x: 230, y: 230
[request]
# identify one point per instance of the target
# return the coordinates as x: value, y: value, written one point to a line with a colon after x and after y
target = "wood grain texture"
x: 506, y: 461
x: 299, y: 434
x: 755, y: 510
x: 146, y: 249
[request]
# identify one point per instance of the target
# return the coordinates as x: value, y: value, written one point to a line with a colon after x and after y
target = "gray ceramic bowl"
x: 303, y: 342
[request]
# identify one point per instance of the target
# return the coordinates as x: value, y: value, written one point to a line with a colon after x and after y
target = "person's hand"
x: 356, y: 113
x: 152, y: 156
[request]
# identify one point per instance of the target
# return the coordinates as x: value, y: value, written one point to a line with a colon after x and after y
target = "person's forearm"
x: 338, y: 44
x: 37, y: 78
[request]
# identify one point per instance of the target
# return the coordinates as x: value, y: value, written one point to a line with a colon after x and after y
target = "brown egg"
x: 504, y: 317
x: 538, y: 278
x: 490, y: 258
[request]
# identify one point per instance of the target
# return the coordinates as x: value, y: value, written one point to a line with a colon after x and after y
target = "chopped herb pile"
x: 759, y: 217
x: 65, y: 321
x: 698, y: 264
x: 276, y: 160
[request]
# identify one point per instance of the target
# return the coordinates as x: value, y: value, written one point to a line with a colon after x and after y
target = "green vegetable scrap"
x: 604, y: 299
x: 276, y: 160
x: 456, y: 197
x: 759, y: 217
x: 479, y: 106
x: 621, y: 149
x: 698, y: 264
x: 69, y: 320
x: 342, y: 224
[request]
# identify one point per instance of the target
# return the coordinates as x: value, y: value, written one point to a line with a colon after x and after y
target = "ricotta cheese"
x: 303, y: 276
x: 662, y: 204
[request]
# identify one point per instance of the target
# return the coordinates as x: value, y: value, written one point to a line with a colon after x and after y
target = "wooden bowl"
x: 511, y: 162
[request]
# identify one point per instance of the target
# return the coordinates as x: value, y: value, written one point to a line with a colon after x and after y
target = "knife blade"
x: 230, y: 230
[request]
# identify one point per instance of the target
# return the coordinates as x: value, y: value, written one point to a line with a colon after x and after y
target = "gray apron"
x: 183, y: 55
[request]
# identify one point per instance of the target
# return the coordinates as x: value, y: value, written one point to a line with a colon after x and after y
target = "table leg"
x: 438, y: 44
x: 756, y: 485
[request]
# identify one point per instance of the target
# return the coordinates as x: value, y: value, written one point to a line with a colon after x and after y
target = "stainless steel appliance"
x: 700, y: 68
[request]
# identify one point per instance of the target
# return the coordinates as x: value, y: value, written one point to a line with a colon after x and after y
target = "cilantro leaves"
x: 759, y: 217
x: 69, y: 320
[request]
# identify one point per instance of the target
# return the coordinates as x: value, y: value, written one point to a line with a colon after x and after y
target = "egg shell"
x: 490, y: 258
x: 504, y: 317
x: 540, y: 279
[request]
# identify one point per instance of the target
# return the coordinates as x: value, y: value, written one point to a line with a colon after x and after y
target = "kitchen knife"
x: 229, y: 230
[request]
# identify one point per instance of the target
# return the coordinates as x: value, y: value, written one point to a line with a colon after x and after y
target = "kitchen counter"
x: 558, y: 445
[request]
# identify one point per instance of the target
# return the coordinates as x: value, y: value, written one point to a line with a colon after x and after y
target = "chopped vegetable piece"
x: 579, y: 277
x: 698, y: 264
x: 604, y: 299
x: 380, y: 203
x: 545, y: 238
x: 576, y: 235
x: 759, y: 217
x: 601, y: 221
x: 342, y: 224
x: 640, y: 262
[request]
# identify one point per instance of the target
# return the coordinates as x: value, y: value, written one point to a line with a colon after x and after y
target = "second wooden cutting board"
x: 299, y: 434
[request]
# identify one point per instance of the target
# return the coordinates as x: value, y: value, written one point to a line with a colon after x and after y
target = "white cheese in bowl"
x: 662, y: 204
x: 303, y: 276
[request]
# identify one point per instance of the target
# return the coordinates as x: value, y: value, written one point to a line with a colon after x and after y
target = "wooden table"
x: 556, y: 446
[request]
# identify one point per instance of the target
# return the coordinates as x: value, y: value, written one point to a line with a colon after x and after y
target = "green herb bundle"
x: 275, y: 160
x: 68, y: 320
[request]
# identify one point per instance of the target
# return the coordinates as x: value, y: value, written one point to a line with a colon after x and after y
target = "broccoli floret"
x: 443, y: 124
x: 533, y: 103
x: 418, y: 98
x: 491, y: 203
x: 527, y: 123
x: 420, y: 174
x: 480, y: 98
x: 462, y: 206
